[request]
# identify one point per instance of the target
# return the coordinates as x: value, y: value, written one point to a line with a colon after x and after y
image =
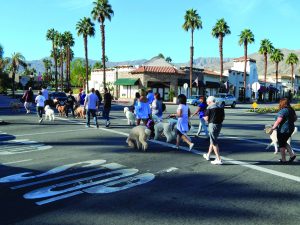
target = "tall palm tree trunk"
x: 86, y: 64
x: 245, y: 72
x: 13, y: 83
x: 266, y: 67
x: 191, y: 61
x: 292, y: 79
x: 68, y: 68
x: 221, y: 55
x: 61, y: 70
x: 102, y: 26
x: 55, y: 65
x: 276, y: 79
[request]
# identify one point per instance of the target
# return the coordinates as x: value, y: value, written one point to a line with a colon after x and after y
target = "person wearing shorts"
x: 214, y: 115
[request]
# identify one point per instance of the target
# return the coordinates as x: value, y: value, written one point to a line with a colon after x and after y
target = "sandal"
x: 292, y: 158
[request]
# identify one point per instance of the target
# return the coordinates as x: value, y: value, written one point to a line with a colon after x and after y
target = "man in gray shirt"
x: 91, y: 105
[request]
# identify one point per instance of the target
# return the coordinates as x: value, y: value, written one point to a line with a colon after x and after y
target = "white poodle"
x: 130, y: 116
x: 168, y: 129
x: 49, y: 113
x: 273, y: 137
x: 138, y: 136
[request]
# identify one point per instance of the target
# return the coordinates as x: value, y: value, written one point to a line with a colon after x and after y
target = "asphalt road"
x: 63, y: 173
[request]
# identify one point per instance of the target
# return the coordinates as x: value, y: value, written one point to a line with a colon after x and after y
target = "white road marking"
x: 8, y: 163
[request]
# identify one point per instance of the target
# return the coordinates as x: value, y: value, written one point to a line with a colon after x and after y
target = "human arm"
x: 277, y: 122
x: 197, y: 111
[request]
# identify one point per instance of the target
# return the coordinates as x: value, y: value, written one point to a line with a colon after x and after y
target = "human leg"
x: 203, y: 125
x: 88, y: 117
x: 199, y: 128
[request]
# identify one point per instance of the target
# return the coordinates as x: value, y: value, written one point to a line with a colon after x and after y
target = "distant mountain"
x: 212, y: 63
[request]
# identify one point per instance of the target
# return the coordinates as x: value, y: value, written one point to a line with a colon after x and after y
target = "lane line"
x: 8, y: 163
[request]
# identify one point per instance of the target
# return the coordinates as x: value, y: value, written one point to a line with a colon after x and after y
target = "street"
x: 60, y: 172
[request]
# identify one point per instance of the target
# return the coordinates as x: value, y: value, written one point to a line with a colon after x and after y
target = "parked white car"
x: 194, y: 100
x: 223, y: 99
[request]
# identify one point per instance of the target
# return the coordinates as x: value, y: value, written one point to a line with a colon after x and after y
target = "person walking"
x: 28, y: 99
x: 40, y: 104
x: 82, y: 98
x: 143, y: 110
x: 214, y: 115
x: 157, y: 106
x: 91, y: 104
x: 45, y: 93
x: 106, y: 106
x: 100, y: 100
x: 285, y: 125
x: 150, y: 96
x: 70, y: 104
x: 183, y: 113
x: 201, y: 112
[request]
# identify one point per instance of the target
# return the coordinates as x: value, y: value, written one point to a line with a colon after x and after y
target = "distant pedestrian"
x: 40, y: 104
x: 183, y: 113
x: 70, y: 103
x: 82, y: 97
x: 107, y: 98
x: 91, y: 104
x: 285, y: 125
x: 157, y: 106
x: 214, y: 115
x: 28, y: 99
x: 201, y: 112
x: 45, y: 93
x: 135, y: 102
x: 143, y: 110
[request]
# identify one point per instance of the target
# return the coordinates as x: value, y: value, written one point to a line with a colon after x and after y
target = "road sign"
x: 255, y: 86
x: 185, y: 85
x: 24, y: 81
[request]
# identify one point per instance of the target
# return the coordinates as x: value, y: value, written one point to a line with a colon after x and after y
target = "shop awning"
x: 127, y: 81
x: 181, y: 82
x: 210, y: 84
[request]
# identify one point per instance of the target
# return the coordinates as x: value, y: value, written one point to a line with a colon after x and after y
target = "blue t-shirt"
x: 287, y: 123
x: 150, y: 97
x: 203, y: 107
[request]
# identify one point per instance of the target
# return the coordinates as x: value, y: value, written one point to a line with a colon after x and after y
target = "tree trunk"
x: 276, y: 79
x: 61, y: 70
x: 266, y: 67
x: 13, y: 84
x: 292, y: 79
x: 191, y: 61
x: 221, y: 55
x: 102, y: 26
x: 55, y: 65
x: 245, y: 67
x: 86, y: 63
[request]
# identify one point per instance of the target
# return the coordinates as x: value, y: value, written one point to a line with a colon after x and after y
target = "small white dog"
x: 130, y: 116
x: 273, y: 137
x: 168, y: 129
x: 49, y: 113
x: 139, y: 136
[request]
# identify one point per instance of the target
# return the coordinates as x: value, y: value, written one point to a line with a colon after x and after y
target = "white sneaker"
x: 191, y: 146
x: 206, y: 156
x: 41, y: 120
x: 216, y: 162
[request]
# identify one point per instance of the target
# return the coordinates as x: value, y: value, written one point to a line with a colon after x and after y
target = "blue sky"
x: 141, y: 29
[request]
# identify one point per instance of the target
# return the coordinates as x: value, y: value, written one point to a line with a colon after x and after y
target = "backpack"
x: 163, y: 107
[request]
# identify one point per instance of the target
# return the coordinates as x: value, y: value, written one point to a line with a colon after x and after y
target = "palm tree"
x: 85, y: 27
x: 102, y: 10
x: 1, y: 52
x: 192, y: 21
x: 292, y: 59
x: 16, y: 61
x: 69, y: 42
x: 168, y: 59
x: 52, y: 36
x: 60, y: 41
x: 220, y: 30
x: 266, y: 47
x: 47, y: 64
x: 277, y: 57
x: 246, y: 37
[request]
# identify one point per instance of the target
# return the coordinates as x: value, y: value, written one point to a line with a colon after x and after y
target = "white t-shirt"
x: 91, y: 101
x: 40, y: 100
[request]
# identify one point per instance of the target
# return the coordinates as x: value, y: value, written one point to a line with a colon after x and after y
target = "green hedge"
x: 296, y: 107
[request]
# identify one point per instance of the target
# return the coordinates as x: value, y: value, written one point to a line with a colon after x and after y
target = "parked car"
x: 193, y: 100
x: 61, y: 96
x: 223, y: 99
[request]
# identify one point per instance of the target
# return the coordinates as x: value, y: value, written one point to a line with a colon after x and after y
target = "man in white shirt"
x: 40, y: 103
x: 91, y: 105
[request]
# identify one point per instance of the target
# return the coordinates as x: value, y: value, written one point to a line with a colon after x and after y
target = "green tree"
x: 47, y: 65
x: 266, y: 47
x: 192, y: 21
x: 161, y: 55
x: 246, y: 37
x: 292, y: 59
x: 220, y: 30
x: 102, y: 10
x: 78, y: 77
x: 276, y: 57
x: 98, y: 65
x: 168, y: 59
x: 60, y: 41
x: 16, y: 61
x: 52, y: 36
x: 69, y: 42
x: 4, y: 79
x: 85, y: 27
